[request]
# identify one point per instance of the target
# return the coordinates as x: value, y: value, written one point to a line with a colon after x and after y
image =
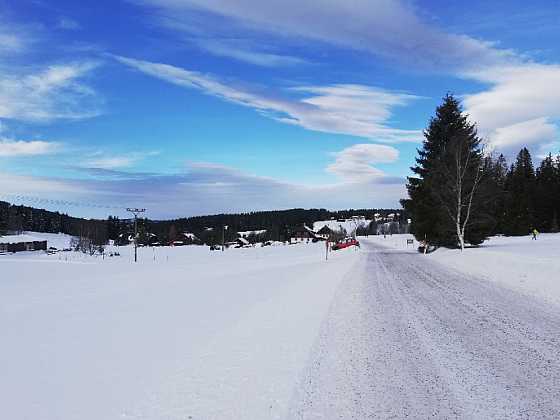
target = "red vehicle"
x: 345, y: 243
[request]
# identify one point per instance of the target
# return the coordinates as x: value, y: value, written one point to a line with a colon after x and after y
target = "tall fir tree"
x: 520, y: 190
x: 546, y: 198
x: 450, y: 195
x: 3, y: 223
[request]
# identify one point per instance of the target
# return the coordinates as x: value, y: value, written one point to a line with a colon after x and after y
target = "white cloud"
x: 517, y: 94
x: 532, y: 133
x: 113, y: 162
x: 10, y: 43
x: 104, y: 161
x: 355, y: 163
x: 388, y: 28
x: 53, y: 93
x: 519, y: 90
x: 203, y: 189
x: 520, y: 106
x: 68, y: 24
x: 356, y: 110
x: 13, y: 39
x: 15, y: 148
x: 247, y: 54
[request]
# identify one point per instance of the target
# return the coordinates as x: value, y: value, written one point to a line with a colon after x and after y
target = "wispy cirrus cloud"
x: 355, y: 110
x: 519, y: 90
x: 55, y: 92
x: 243, y: 51
x: 387, y: 28
x: 68, y: 24
x: 106, y: 161
x: 10, y: 43
x: 18, y: 148
x: 13, y: 38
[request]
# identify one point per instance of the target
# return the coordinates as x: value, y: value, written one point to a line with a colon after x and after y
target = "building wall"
x: 25, y: 246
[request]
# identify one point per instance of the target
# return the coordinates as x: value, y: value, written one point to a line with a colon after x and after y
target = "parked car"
x: 345, y: 243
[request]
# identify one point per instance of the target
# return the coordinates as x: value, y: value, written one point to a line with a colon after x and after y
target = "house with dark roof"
x: 303, y: 234
x: 18, y: 243
x: 325, y: 232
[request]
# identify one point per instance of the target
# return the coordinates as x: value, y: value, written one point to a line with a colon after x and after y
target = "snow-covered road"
x: 407, y: 337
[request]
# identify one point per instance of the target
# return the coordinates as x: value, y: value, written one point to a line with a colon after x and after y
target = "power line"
x: 135, y: 212
x: 42, y: 200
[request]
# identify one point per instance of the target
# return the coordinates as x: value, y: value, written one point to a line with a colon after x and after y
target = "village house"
x: 303, y: 234
x: 186, y: 238
x: 325, y: 232
x: 18, y: 243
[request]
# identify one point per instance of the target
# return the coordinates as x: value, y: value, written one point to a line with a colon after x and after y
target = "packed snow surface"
x: 278, y: 332
x: 184, y: 332
x: 528, y: 266
x: 407, y: 337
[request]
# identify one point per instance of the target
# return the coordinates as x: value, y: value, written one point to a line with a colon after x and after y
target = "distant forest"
x: 278, y: 224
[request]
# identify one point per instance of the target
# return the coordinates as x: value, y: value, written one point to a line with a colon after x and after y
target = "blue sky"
x: 190, y: 107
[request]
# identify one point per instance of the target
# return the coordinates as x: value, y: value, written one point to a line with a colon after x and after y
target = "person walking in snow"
x: 535, y: 233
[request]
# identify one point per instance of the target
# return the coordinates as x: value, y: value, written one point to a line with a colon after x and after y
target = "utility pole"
x: 224, y: 228
x: 135, y: 212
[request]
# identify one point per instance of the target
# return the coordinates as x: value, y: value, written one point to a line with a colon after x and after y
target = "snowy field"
x: 185, y: 333
x: 519, y: 263
x: 259, y: 333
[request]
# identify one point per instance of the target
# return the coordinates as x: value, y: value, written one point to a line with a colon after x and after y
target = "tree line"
x: 209, y: 229
x: 18, y: 218
x: 461, y: 194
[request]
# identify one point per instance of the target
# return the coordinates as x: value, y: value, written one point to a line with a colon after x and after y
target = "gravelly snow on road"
x: 407, y: 337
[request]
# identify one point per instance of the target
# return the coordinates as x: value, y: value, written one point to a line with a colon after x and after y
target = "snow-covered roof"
x: 251, y: 232
x: 189, y: 235
x: 309, y: 229
x: 16, y: 239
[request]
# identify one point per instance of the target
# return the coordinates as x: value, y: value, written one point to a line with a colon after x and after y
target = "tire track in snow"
x: 406, y: 337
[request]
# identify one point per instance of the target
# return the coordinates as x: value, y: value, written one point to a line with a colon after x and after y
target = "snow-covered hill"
x: 348, y: 225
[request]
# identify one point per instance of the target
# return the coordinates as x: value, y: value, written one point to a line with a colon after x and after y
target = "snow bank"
x: 185, y: 332
x: 519, y: 263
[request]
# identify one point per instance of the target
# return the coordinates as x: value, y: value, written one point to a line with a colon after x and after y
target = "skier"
x: 535, y: 232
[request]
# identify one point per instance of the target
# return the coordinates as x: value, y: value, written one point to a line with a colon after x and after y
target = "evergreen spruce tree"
x: 499, y: 175
x: 449, y: 197
x: 545, y: 194
x: 520, y: 189
x: 3, y: 223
